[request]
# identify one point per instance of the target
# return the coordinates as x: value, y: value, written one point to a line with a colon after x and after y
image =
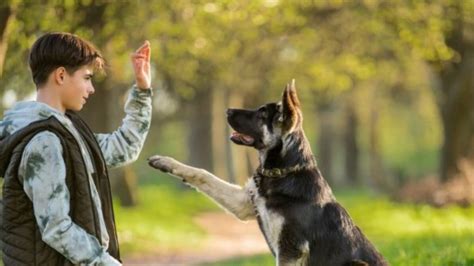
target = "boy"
x: 56, y: 194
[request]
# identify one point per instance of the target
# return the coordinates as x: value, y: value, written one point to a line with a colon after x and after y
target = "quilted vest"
x: 22, y: 243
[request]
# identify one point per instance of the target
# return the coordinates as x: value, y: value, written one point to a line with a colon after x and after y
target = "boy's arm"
x: 43, y: 172
x: 124, y: 145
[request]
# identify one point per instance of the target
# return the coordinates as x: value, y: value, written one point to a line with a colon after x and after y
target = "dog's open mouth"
x: 239, y: 138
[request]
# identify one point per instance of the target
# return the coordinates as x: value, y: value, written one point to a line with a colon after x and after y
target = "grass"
x: 414, y: 234
x: 162, y: 220
x: 405, y: 234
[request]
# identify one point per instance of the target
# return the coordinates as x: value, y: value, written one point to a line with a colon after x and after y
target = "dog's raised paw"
x: 160, y: 162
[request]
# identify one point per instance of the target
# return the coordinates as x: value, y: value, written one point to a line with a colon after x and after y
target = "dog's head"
x: 266, y: 126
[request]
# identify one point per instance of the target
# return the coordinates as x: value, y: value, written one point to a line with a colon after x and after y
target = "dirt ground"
x: 227, y: 238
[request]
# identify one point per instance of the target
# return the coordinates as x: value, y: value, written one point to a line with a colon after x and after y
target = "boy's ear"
x: 59, y: 75
x: 292, y: 117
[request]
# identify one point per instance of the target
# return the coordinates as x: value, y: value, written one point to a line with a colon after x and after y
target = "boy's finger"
x: 145, y: 50
x: 140, y: 48
x: 145, y: 44
x: 144, y: 56
x: 148, y: 53
x: 139, y: 57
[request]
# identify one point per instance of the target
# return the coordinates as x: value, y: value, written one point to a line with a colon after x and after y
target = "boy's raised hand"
x: 141, y: 66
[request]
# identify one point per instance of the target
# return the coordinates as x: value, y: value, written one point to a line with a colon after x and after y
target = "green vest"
x: 22, y: 244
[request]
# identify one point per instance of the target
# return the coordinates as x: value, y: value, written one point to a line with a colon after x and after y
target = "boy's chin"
x: 76, y: 108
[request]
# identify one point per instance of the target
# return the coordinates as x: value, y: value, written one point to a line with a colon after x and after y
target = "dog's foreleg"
x: 231, y: 197
x: 302, y: 261
x: 294, y: 256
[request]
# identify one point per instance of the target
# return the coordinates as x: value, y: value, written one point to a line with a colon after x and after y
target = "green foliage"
x: 371, y: 51
x: 405, y: 234
x: 329, y: 46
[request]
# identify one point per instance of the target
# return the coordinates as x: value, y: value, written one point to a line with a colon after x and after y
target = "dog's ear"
x: 292, y: 117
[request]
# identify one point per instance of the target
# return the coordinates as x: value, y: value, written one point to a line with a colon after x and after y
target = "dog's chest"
x: 271, y: 222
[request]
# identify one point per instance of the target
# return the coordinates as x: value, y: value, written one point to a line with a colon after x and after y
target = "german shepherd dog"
x: 295, y: 208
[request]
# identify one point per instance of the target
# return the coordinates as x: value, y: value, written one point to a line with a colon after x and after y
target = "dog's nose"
x: 230, y: 112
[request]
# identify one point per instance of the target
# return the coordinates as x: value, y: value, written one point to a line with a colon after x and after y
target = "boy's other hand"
x: 141, y: 66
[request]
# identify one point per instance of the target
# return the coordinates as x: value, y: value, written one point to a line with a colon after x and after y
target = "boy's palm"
x: 141, y: 66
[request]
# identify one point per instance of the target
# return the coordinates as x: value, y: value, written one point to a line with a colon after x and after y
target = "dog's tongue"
x: 246, y: 139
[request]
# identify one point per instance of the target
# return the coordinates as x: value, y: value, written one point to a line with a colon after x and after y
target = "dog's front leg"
x: 293, y: 255
x: 301, y: 261
x: 231, y: 197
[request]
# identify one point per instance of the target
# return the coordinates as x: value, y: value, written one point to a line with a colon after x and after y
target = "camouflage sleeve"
x: 43, y: 172
x: 124, y: 145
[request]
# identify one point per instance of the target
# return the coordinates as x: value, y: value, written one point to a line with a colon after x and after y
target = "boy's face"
x: 76, y: 88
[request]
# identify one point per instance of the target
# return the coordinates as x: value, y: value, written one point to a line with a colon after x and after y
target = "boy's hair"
x: 60, y: 49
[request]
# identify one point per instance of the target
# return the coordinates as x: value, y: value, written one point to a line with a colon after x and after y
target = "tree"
x: 246, y: 51
x: 7, y: 16
x: 101, y: 22
x: 456, y: 100
x: 205, y: 51
x: 442, y: 33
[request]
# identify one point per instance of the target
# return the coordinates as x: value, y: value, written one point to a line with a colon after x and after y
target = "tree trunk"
x: 237, y: 162
x: 219, y: 133
x: 325, y: 155
x: 199, y: 133
x: 457, y: 116
x: 124, y: 182
x: 457, y: 100
x: 375, y: 161
x: 7, y: 16
x: 351, y: 147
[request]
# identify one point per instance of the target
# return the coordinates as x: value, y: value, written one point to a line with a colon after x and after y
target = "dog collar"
x: 282, y: 172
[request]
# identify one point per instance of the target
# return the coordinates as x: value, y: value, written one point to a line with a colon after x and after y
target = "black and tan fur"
x: 295, y: 208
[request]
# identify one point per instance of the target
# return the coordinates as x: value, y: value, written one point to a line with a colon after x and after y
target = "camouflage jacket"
x: 46, y: 187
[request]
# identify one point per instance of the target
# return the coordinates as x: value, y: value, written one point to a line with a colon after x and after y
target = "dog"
x: 295, y: 208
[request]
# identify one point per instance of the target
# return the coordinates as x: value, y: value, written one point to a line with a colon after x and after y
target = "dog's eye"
x: 262, y: 112
x: 279, y: 108
x: 278, y: 118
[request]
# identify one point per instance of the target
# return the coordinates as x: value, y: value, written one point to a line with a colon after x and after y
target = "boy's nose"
x: 91, y: 91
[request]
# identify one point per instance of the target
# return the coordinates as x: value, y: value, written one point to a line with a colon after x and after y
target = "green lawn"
x: 405, y: 234
x: 163, y: 219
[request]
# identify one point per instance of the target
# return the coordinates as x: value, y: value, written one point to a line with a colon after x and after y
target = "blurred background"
x: 387, y: 90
